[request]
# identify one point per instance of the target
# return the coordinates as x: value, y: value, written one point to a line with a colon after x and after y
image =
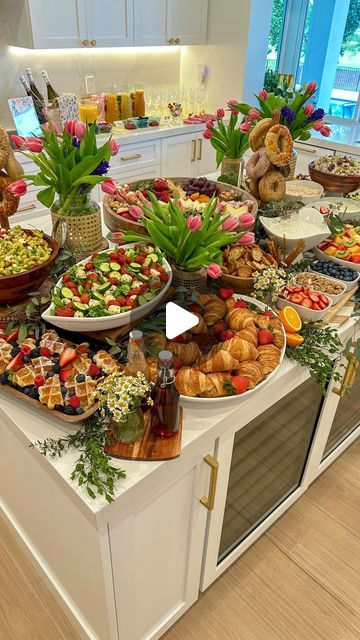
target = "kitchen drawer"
x: 137, y: 173
x: 136, y: 156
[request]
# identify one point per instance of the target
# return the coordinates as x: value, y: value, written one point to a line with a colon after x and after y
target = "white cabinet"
x: 187, y: 155
x: 173, y: 22
x: 44, y: 24
x: 206, y: 156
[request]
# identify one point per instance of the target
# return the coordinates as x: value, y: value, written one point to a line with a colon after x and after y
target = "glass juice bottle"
x: 139, y: 103
x: 136, y: 357
x: 165, y: 409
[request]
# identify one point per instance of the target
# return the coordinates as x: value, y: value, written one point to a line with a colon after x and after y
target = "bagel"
x: 279, y: 145
x: 285, y: 170
x: 254, y: 188
x: 7, y: 159
x: 8, y: 201
x: 258, y: 164
x: 272, y: 186
x: 258, y: 133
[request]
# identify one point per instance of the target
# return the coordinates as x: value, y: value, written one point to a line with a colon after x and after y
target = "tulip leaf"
x: 46, y: 196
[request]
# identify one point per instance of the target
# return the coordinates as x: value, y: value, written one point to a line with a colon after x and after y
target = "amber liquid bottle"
x: 165, y: 410
x: 136, y: 357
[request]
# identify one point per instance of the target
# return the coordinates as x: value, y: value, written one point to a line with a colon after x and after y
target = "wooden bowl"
x: 115, y: 222
x: 334, y: 183
x: 237, y: 284
x: 17, y: 287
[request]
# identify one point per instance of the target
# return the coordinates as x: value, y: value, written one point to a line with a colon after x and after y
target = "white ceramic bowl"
x: 335, y: 297
x: 186, y: 401
x: 324, y: 256
x: 349, y: 208
x: 348, y: 285
x: 106, y: 322
x: 311, y: 315
x: 315, y: 187
x: 306, y: 214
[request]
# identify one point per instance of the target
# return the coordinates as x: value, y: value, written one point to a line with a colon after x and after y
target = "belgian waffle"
x: 50, y: 392
x: 82, y: 365
x: 30, y: 342
x: 85, y: 391
x: 106, y: 362
x: 5, y: 357
x: 41, y: 365
x: 25, y: 377
x: 51, y: 340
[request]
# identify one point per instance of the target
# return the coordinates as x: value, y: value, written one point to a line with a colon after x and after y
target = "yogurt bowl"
x: 306, y: 224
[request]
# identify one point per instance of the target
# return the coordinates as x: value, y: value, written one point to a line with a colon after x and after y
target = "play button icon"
x: 178, y: 320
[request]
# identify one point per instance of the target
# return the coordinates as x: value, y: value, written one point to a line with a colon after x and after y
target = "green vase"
x: 130, y: 429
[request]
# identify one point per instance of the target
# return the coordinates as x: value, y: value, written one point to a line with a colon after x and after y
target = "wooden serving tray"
x: 38, y: 405
x: 150, y: 447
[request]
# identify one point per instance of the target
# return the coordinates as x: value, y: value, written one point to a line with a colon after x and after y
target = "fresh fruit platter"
x: 310, y: 304
x: 236, y: 347
x: 103, y: 291
x: 52, y: 374
x: 344, y: 246
x: 347, y: 275
x: 26, y: 259
x: 123, y: 209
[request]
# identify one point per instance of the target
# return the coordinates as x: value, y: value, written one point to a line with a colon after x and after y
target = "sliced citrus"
x: 293, y: 339
x: 290, y: 319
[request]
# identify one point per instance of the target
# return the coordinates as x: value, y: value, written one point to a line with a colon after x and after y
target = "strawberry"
x: 219, y: 327
x: 65, y: 313
x: 165, y: 196
x: 25, y: 349
x: 224, y: 293
x: 239, y: 384
x: 85, y: 298
x: 39, y: 380
x: 269, y: 313
x: 226, y: 335
x: 161, y: 185
x: 322, y: 304
x: 2, y: 326
x: 307, y: 303
x: 240, y: 304
x: 178, y: 364
x: 324, y: 299
x: 316, y: 306
x: 68, y: 355
x: 13, y: 335
x: 93, y: 370
x: 83, y: 347
x: 44, y: 351
x: 314, y: 297
x: 65, y: 374
x: 179, y: 339
x: 15, y: 363
x: 74, y: 401
x: 296, y: 298
x: 265, y: 336
x: 89, y: 266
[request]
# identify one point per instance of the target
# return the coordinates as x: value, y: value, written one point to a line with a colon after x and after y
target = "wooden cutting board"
x: 151, y: 447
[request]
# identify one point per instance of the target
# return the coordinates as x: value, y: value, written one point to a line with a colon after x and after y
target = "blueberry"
x: 14, y: 344
x: 80, y: 378
x: 50, y: 374
x: 90, y: 354
x: 27, y: 391
x: 69, y: 410
x: 26, y: 359
x: 63, y: 389
x: 71, y: 394
x: 35, y: 353
x: 3, y: 378
x: 33, y: 393
x: 79, y: 411
x: 14, y: 351
x: 56, y: 368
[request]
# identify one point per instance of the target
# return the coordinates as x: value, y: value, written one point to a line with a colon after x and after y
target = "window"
x: 320, y: 40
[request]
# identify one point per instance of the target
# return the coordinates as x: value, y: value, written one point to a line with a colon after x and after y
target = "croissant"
x: 249, y: 333
x: 155, y: 341
x: 230, y: 303
x: 218, y: 380
x: 214, y: 310
x: 252, y: 370
x: 202, y: 299
x: 237, y: 347
x: 219, y: 361
x: 187, y: 353
x: 269, y: 357
x: 201, y: 327
x: 238, y: 318
x: 190, y: 382
x: 275, y: 325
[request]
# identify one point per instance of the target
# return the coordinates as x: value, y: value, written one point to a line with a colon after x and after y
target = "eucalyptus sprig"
x: 92, y: 468
x: 319, y: 352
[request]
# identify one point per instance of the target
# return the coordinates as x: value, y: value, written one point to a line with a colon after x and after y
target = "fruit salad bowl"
x: 321, y: 255
x: 109, y: 292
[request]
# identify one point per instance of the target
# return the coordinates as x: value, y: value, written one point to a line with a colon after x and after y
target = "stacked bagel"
x: 269, y: 165
x: 10, y: 169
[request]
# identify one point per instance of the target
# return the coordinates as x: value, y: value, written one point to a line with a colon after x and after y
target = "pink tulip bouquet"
x: 70, y: 165
x: 228, y: 140
x: 190, y: 241
x: 298, y: 113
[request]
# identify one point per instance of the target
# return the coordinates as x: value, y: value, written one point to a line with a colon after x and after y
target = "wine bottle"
x: 25, y: 85
x: 38, y: 104
x: 35, y: 91
x: 51, y: 93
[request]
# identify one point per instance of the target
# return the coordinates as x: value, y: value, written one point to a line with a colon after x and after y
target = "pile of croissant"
x: 222, y: 347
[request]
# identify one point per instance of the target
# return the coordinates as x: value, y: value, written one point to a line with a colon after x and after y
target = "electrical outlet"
x: 90, y: 84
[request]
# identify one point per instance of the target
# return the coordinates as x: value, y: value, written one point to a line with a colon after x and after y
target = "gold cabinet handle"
x: 209, y: 501
x: 86, y: 43
x: 200, y: 149
x: 134, y: 157
x: 28, y: 208
x: 177, y: 40
x: 194, y: 151
x: 349, y: 376
x: 93, y: 42
x: 171, y: 41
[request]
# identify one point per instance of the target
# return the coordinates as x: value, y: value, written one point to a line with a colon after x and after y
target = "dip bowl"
x: 288, y: 239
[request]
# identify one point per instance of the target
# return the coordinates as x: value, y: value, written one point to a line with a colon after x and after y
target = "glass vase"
x: 77, y: 224
x: 130, y: 429
x: 232, y: 170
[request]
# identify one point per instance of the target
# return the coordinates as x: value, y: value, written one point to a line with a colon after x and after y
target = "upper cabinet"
x: 111, y: 25
x: 173, y: 22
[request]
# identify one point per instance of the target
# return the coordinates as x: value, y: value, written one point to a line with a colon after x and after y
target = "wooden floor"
x: 300, y: 581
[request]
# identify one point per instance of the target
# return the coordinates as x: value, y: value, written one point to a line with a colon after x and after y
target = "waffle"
x: 106, y: 362
x: 50, y: 392
x: 51, y: 340
x: 30, y: 342
x: 25, y: 377
x: 41, y: 365
x: 85, y: 391
x: 82, y: 364
x: 5, y: 356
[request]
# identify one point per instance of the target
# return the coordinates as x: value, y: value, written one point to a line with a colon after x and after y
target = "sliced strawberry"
x: 290, y: 288
x: 297, y: 298
x: 195, y: 308
x: 94, y: 370
x: 240, y: 304
x: 316, y: 306
x: 68, y: 355
x: 322, y: 304
x: 219, y: 327
x: 65, y: 374
x: 44, y: 351
x: 307, y: 303
x: 83, y: 347
x: 226, y: 335
x: 13, y: 335
x: 324, y: 299
x: 15, y: 363
x: 314, y: 297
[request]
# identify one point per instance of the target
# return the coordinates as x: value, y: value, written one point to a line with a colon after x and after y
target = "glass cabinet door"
x: 347, y: 417
x: 268, y: 460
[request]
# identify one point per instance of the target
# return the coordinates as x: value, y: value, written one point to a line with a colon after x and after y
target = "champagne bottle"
x: 38, y: 104
x: 25, y: 85
x: 51, y: 93
x: 35, y: 91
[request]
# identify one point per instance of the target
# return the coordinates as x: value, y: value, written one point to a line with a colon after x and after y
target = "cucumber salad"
x: 110, y: 282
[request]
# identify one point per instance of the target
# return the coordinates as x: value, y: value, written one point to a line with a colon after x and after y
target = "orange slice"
x: 290, y: 319
x: 293, y: 339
